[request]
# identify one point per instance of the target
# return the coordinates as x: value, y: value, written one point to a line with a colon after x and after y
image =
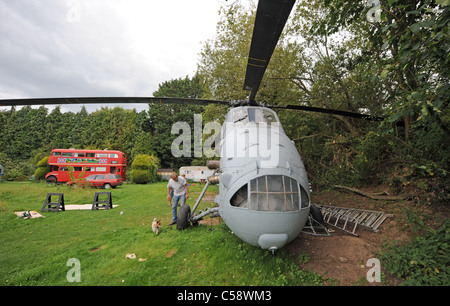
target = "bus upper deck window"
x: 67, y: 154
x: 56, y: 153
x: 90, y: 154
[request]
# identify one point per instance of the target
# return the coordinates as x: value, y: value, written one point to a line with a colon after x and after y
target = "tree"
x: 143, y: 169
x: 42, y: 168
x: 161, y: 118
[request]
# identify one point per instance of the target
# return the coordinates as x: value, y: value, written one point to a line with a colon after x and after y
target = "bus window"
x: 87, y: 169
x: 77, y: 169
x: 113, y: 155
x: 79, y: 155
x: 100, y: 169
x: 63, y: 169
x: 112, y: 170
x: 55, y: 168
x: 102, y: 155
x: 67, y: 154
x: 56, y: 153
x: 90, y: 154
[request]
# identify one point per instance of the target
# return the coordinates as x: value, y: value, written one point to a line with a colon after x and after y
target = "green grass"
x: 36, y: 251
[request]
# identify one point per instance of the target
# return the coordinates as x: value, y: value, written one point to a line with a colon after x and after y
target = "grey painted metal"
x: 201, y: 196
x: 249, y: 150
x: 202, y: 214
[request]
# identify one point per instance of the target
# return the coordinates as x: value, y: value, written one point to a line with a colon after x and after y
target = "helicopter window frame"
x: 281, y: 194
x: 240, y: 198
x: 259, y: 115
x: 240, y: 116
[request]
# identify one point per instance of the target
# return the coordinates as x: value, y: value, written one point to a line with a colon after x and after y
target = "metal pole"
x: 200, y: 197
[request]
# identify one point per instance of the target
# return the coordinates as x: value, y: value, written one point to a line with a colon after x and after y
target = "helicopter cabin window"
x: 274, y: 193
x: 259, y: 115
x: 304, y: 197
x: 252, y: 114
x: 240, y: 198
x: 240, y: 116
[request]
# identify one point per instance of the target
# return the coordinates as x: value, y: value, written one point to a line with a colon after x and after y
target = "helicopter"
x: 264, y: 194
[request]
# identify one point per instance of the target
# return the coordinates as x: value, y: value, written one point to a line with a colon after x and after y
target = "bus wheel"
x: 51, y: 179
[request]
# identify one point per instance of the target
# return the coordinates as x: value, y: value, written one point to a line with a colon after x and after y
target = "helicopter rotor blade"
x: 327, y: 111
x: 107, y: 100
x: 271, y: 17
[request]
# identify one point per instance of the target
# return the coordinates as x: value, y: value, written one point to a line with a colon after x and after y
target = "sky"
x: 90, y: 48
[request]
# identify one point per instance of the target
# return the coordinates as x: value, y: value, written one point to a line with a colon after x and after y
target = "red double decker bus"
x: 86, y: 162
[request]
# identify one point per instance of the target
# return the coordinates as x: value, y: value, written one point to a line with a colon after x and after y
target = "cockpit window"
x: 276, y: 193
x: 240, y: 198
x: 260, y: 115
x: 240, y: 115
x: 252, y: 114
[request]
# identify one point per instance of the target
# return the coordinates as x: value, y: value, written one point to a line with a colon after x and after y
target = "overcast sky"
x: 64, y: 48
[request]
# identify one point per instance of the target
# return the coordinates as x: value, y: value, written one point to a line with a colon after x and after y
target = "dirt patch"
x: 211, y: 221
x: 171, y: 253
x: 343, y: 258
x: 97, y: 249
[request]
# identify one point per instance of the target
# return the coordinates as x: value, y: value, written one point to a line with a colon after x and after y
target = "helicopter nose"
x: 272, y: 242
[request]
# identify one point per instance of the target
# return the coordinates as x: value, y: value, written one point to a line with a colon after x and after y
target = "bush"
x: 42, y: 169
x: 143, y: 169
x: 424, y: 261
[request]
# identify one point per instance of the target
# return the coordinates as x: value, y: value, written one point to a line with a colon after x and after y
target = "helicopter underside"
x: 267, y: 230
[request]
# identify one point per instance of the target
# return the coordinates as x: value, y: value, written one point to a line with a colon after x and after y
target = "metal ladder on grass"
x: 348, y: 219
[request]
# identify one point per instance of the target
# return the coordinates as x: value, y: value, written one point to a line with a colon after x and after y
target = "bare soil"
x: 343, y: 258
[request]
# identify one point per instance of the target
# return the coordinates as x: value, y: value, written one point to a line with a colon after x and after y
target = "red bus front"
x: 85, y: 163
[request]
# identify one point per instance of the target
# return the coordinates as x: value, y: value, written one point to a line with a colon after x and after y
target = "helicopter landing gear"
x: 184, y: 217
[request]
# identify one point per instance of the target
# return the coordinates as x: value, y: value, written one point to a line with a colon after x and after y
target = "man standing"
x: 180, y: 193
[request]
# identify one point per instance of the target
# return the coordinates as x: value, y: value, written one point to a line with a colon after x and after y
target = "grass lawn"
x: 37, y: 251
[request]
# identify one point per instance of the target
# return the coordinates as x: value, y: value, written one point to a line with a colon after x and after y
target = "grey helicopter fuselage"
x: 264, y: 193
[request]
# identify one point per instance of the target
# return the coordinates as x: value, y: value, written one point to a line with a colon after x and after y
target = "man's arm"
x: 168, y: 191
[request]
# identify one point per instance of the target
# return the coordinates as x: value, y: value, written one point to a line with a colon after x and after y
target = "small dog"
x: 155, y: 226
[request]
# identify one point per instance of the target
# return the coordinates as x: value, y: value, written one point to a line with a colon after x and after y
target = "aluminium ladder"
x: 348, y: 219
